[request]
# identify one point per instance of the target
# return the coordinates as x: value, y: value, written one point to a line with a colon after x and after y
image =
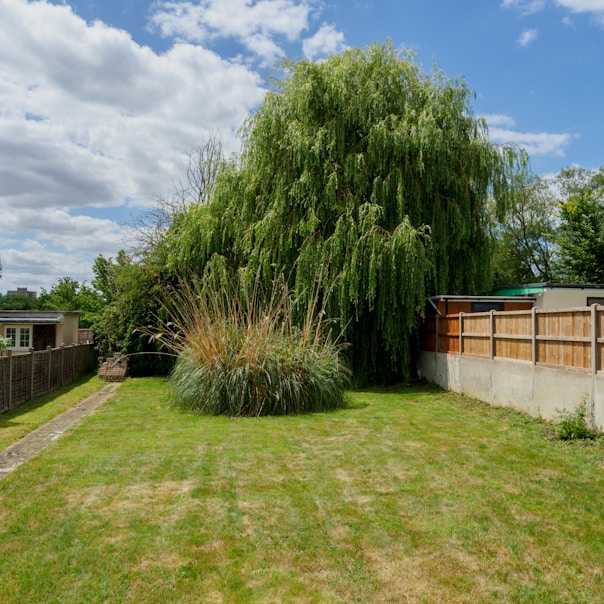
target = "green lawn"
x: 410, y: 495
x: 24, y: 419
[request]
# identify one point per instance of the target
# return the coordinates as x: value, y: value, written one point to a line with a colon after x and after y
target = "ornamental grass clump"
x: 241, y: 353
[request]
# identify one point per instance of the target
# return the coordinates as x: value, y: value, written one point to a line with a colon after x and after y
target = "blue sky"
x: 102, y: 101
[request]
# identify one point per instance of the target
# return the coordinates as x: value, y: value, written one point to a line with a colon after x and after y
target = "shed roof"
x: 31, y: 316
x: 539, y: 288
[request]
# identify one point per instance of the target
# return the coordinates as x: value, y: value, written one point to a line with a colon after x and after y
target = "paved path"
x: 36, y: 441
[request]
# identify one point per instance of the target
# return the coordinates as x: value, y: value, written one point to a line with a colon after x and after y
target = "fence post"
x: 9, y: 353
x: 534, y: 335
x: 460, y: 333
x: 594, y: 361
x: 32, y: 370
x: 594, y: 339
x: 492, y: 332
x: 62, y: 383
x: 49, y: 353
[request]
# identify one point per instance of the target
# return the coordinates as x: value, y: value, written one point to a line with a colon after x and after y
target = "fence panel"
x: 29, y: 375
x: 4, y: 385
x: 448, y: 334
x: 40, y: 373
x: 21, y: 379
x: 599, y: 337
x: 567, y: 338
x: 513, y: 335
x: 476, y: 334
x: 564, y: 338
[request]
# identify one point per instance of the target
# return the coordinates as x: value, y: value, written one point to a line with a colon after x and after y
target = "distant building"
x: 22, y: 291
x: 37, y: 329
x: 558, y: 295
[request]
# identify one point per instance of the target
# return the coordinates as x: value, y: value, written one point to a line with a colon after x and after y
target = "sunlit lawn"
x: 409, y: 495
x: 17, y: 423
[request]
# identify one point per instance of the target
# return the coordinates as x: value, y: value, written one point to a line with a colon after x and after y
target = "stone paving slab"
x: 35, y: 442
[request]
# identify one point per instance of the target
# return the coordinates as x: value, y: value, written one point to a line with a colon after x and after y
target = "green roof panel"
x: 520, y: 291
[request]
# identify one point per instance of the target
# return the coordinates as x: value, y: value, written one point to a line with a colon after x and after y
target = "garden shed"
x: 557, y: 295
x: 26, y: 329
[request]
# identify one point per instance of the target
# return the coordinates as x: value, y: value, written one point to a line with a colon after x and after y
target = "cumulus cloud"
x: 255, y: 25
x: 326, y: 41
x: 95, y: 127
x: 593, y: 7
x: 582, y: 6
x: 528, y: 36
x: 530, y: 7
x: 502, y: 131
x: 33, y: 262
x: 525, y: 7
x: 92, y: 123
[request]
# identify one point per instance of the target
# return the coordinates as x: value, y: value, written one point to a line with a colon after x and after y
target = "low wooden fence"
x: 571, y: 338
x: 24, y: 376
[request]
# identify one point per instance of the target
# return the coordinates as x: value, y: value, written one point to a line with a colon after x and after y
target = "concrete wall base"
x: 539, y: 391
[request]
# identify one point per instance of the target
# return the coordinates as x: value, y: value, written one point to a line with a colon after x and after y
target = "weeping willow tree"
x: 367, y: 171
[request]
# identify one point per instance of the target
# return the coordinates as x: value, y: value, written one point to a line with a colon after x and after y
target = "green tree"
x: 134, y: 285
x: 68, y: 294
x: 525, y: 250
x: 580, y: 235
x: 132, y: 289
x: 364, y: 169
x: 18, y: 302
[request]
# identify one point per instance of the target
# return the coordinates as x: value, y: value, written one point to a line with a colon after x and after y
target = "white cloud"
x: 528, y: 36
x: 501, y: 131
x: 255, y: 25
x: 530, y: 7
x: 582, y: 6
x: 33, y: 265
x: 498, y: 119
x: 593, y: 7
x: 95, y: 127
x: 61, y: 229
x: 525, y: 7
x: 93, y: 123
x: 328, y: 40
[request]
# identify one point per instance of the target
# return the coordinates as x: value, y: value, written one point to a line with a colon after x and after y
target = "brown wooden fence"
x: 24, y: 376
x: 571, y: 337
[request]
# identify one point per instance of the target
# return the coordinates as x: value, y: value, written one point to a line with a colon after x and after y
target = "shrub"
x: 574, y: 426
x: 240, y: 352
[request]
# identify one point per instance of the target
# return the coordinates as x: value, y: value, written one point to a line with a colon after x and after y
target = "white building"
x: 557, y: 295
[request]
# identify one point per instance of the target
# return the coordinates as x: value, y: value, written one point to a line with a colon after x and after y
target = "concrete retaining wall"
x: 533, y: 389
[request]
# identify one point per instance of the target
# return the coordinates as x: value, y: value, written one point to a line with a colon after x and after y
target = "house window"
x: 18, y: 337
x: 24, y: 337
x: 486, y: 306
x: 10, y: 333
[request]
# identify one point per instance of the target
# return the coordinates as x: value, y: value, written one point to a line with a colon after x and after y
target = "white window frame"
x: 19, y: 332
x: 11, y: 338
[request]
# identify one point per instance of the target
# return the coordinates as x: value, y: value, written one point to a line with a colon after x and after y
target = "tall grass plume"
x: 241, y: 351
